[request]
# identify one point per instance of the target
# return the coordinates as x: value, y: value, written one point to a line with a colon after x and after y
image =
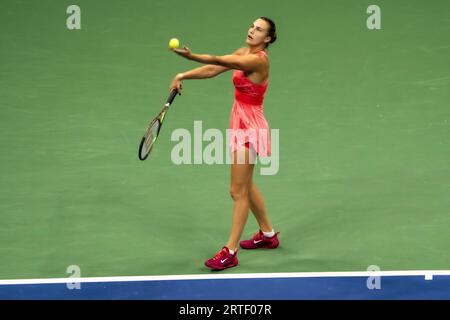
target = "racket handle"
x: 171, y: 97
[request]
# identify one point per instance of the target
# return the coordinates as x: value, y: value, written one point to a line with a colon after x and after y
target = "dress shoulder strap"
x: 264, y: 53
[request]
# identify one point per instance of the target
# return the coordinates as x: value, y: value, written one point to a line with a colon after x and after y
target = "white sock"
x: 269, y: 234
x: 231, y: 251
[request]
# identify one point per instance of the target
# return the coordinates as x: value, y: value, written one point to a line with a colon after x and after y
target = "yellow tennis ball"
x: 174, y: 43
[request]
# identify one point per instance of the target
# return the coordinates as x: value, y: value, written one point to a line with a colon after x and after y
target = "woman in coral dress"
x: 249, y: 133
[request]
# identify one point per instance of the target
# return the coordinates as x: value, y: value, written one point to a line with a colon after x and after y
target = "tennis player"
x: 250, y: 79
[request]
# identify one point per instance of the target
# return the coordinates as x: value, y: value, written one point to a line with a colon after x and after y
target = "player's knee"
x: 238, y: 192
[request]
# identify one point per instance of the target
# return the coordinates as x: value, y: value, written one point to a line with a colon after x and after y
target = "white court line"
x: 428, y: 274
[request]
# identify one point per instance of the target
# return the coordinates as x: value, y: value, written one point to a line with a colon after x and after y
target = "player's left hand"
x: 185, y: 52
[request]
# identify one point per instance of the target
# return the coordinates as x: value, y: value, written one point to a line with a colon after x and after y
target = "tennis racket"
x: 153, y: 129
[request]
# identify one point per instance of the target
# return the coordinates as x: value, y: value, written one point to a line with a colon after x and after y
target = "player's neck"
x: 254, y: 49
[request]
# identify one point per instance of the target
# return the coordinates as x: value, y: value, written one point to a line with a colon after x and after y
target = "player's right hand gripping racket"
x: 153, y: 129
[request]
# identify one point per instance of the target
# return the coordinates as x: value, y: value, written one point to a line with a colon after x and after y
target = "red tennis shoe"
x: 259, y: 240
x: 222, y: 260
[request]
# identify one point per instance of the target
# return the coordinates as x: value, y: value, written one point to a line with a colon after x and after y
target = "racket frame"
x: 159, y: 118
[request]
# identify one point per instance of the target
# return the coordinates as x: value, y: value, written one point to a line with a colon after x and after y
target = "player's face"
x: 257, y: 33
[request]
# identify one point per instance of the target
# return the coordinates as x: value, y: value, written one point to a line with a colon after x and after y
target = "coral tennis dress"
x: 248, y: 126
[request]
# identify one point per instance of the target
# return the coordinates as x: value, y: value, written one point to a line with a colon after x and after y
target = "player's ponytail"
x: 272, y: 32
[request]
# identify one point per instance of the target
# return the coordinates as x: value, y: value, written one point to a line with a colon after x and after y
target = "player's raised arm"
x: 249, y: 62
x: 203, y: 72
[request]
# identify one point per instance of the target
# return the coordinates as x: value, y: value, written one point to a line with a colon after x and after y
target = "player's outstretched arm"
x: 249, y: 62
x: 203, y: 72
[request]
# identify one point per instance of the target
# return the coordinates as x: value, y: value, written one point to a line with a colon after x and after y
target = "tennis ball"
x: 174, y: 43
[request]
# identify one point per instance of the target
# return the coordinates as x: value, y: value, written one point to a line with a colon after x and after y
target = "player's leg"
x: 241, y: 180
x: 266, y: 237
x: 241, y: 177
x: 259, y: 209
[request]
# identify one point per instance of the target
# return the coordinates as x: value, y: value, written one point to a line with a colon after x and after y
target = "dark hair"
x: 272, y: 32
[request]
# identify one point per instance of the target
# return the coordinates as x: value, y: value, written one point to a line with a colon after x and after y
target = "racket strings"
x: 151, y: 135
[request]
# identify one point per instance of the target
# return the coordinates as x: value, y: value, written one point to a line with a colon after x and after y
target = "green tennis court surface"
x: 364, y: 122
